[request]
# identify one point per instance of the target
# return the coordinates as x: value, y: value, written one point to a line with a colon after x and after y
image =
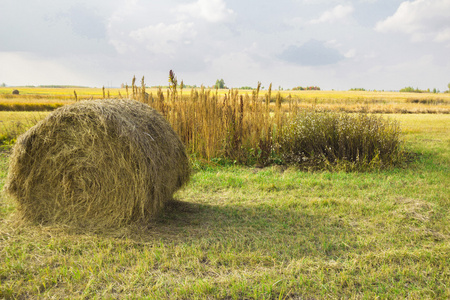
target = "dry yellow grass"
x: 242, y: 121
x: 31, y: 98
x: 347, y: 98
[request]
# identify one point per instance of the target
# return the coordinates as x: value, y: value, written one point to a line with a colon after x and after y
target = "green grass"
x: 14, y: 123
x: 249, y: 233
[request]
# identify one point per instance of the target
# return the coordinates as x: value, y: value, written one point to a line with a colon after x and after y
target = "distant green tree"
x: 308, y: 88
x: 220, y: 84
x: 410, y: 89
x: 4, y: 84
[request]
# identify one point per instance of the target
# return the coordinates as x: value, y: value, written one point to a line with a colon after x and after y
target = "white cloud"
x: 317, y: 2
x: 422, y: 20
x: 210, y: 10
x: 163, y: 38
x: 121, y: 46
x: 350, y: 53
x: 443, y: 35
x: 26, y: 68
x: 338, y: 13
x: 294, y: 22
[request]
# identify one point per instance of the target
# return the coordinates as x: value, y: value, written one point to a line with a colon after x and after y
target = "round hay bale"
x: 97, y: 163
x: 15, y: 92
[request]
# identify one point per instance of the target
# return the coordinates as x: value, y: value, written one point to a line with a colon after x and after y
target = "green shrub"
x: 338, y: 139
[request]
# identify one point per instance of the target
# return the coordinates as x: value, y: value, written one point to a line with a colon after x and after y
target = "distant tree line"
x: 308, y: 88
x: 61, y: 86
x: 410, y: 89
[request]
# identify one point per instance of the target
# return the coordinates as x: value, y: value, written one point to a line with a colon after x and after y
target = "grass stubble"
x: 250, y: 233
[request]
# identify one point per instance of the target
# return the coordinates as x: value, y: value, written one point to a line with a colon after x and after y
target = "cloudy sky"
x: 371, y: 44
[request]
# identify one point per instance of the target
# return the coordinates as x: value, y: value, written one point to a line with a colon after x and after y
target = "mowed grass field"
x: 257, y: 233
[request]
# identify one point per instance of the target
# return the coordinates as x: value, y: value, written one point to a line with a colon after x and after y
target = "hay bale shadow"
x: 188, y: 223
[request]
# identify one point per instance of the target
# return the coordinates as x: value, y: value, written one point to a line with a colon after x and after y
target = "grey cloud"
x: 312, y: 53
x: 86, y: 22
x: 52, y: 29
x: 368, y: 13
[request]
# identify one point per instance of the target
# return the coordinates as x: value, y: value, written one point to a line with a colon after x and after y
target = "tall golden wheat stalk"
x: 233, y: 126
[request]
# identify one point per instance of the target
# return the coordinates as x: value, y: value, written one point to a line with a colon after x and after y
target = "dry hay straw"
x: 97, y: 163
